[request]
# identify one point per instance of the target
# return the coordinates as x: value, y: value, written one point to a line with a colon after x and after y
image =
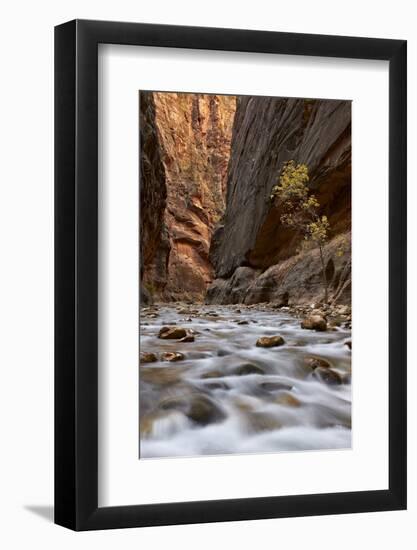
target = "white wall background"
x: 26, y: 275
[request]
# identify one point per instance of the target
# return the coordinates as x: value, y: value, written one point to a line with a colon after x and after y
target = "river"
x: 227, y: 396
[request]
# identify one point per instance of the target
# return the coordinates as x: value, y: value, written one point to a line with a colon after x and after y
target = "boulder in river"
x: 314, y: 322
x: 148, y: 357
x: 275, y: 386
x: 259, y: 421
x: 188, y: 338
x: 162, y: 376
x: 198, y: 407
x: 172, y: 356
x: 270, y: 341
x: 248, y: 368
x: 223, y: 352
x: 172, y: 333
x: 212, y: 374
x: 349, y: 344
x: 328, y: 376
x: 315, y: 362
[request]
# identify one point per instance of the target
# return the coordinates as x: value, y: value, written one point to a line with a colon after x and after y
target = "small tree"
x: 300, y: 209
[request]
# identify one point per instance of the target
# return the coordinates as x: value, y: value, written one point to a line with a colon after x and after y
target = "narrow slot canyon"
x: 245, y: 312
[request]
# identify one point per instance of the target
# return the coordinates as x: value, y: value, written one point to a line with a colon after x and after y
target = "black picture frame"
x: 76, y: 272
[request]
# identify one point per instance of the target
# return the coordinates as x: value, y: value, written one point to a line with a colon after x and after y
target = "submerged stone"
x: 247, y: 368
x: 328, y: 376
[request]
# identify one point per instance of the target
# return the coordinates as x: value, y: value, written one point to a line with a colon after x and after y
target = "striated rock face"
x: 266, y: 133
x: 154, y: 244
x: 195, y: 134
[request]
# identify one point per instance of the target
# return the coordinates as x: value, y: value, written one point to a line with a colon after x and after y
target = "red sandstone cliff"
x: 193, y: 133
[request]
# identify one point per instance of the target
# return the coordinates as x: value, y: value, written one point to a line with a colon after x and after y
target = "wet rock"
x: 270, y: 341
x: 172, y: 356
x: 328, y: 376
x: 216, y: 386
x: 261, y: 422
x: 316, y: 362
x: 247, y: 368
x: 275, y: 386
x: 223, y: 352
x: 349, y: 344
x: 204, y: 411
x: 161, y: 376
x: 243, y: 322
x: 172, y: 333
x: 288, y: 400
x: 243, y: 403
x: 199, y: 408
x: 148, y: 357
x: 188, y: 338
x: 212, y: 374
x: 347, y: 378
x: 314, y: 322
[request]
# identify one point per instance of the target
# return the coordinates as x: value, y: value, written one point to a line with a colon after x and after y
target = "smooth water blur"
x: 282, y: 409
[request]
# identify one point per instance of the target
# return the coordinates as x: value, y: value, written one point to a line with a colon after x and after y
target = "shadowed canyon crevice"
x: 209, y: 230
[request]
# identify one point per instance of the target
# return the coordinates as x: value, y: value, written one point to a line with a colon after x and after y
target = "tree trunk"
x: 323, y: 269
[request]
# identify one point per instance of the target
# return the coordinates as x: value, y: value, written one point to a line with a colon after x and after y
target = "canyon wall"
x: 255, y: 258
x: 154, y: 241
x: 192, y: 134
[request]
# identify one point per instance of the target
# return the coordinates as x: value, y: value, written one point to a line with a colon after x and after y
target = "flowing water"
x: 229, y: 396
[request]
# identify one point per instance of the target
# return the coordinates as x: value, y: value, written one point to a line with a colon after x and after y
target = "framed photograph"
x: 230, y: 252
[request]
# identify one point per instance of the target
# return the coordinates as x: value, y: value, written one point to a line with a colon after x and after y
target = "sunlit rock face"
x: 267, y: 132
x: 193, y: 135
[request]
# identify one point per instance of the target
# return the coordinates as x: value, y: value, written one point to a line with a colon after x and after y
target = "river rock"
x: 204, y: 411
x: 148, y: 357
x: 288, y: 400
x: 187, y: 338
x: 270, y: 341
x: 212, y: 374
x: 162, y: 376
x: 275, y: 386
x: 199, y: 408
x: 261, y: 421
x: 328, y: 376
x: 247, y: 368
x: 347, y: 378
x: 314, y: 322
x: 349, y: 344
x: 316, y: 362
x: 172, y: 356
x: 172, y: 333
